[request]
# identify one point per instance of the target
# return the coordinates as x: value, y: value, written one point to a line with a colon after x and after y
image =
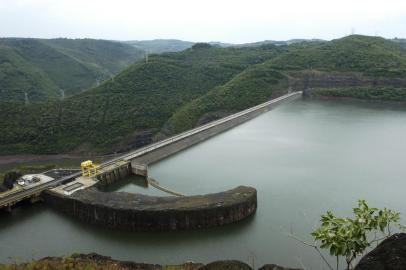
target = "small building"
x: 31, y: 179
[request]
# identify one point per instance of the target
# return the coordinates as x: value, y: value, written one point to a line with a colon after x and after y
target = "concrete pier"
x: 139, y: 169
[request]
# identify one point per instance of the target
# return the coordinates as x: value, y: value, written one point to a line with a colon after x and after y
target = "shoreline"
x: 363, y: 100
x: 21, y: 158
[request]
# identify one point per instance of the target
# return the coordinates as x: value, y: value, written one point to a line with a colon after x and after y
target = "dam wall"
x: 111, y: 175
x: 137, y: 212
x: 184, y: 140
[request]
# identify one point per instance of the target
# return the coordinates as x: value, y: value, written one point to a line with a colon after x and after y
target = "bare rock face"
x: 275, y: 267
x: 226, y: 265
x: 99, y: 262
x: 388, y: 255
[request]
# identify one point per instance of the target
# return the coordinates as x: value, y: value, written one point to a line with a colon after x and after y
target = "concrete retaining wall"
x: 178, y: 145
x: 114, y: 175
x: 136, y: 212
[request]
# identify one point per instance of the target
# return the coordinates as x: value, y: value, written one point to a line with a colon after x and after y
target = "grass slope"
x: 43, y: 67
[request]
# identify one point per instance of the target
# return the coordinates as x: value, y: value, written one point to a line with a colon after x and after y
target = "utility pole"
x: 26, y: 100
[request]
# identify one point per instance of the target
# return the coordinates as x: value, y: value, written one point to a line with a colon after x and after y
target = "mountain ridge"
x: 176, y: 91
x: 51, y: 68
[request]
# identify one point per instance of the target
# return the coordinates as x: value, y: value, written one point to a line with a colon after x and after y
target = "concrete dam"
x: 83, y: 196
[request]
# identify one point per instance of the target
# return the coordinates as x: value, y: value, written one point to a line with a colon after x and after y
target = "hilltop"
x: 369, y: 55
x: 177, y: 91
x: 50, y: 68
x: 176, y: 45
x: 161, y: 45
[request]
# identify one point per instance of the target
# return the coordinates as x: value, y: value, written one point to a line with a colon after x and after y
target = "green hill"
x: 142, y: 98
x: 254, y: 85
x: 177, y: 91
x: 369, y: 55
x: 44, y: 68
x: 366, y: 55
x: 18, y: 76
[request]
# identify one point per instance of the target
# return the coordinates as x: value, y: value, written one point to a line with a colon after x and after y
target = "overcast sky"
x: 231, y: 21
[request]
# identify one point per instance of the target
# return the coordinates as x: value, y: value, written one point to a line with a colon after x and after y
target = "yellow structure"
x: 88, y: 168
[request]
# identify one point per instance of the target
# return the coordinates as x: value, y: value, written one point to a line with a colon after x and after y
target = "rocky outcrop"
x: 276, y: 267
x: 137, y: 212
x: 96, y: 261
x: 388, y: 255
x: 226, y: 265
x: 313, y: 79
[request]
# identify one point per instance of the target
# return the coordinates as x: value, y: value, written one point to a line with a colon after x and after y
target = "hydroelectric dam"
x: 83, y: 197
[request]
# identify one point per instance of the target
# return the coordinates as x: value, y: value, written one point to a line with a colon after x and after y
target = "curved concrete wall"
x: 136, y: 212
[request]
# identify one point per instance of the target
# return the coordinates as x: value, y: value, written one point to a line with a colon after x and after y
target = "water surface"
x: 304, y: 158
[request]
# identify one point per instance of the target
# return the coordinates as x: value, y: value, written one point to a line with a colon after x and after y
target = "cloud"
x: 228, y: 21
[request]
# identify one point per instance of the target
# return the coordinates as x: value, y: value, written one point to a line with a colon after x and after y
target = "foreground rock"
x: 225, y: 265
x: 95, y: 261
x: 275, y: 267
x: 388, y: 255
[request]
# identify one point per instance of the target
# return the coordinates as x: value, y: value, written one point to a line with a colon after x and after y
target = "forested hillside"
x: 41, y: 69
x: 142, y: 98
x: 177, y: 91
x: 367, y: 56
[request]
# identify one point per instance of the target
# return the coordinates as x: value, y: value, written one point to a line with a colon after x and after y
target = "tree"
x: 350, y: 237
x: 10, y: 178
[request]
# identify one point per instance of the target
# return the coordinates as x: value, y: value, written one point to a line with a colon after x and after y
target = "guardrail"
x: 188, y: 133
x: 26, y: 193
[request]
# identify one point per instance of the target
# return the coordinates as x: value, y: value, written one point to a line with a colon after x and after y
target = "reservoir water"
x: 304, y: 158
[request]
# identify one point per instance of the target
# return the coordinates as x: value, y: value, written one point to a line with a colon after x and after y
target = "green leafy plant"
x: 350, y: 237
